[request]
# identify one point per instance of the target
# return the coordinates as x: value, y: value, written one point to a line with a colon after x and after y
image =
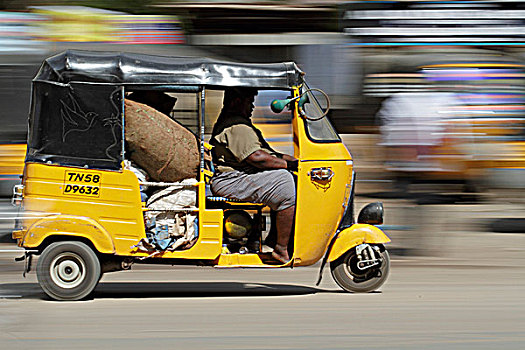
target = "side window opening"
x: 162, y: 148
x: 161, y: 134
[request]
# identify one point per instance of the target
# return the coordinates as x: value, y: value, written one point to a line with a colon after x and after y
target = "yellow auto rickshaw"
x: 83, y: 211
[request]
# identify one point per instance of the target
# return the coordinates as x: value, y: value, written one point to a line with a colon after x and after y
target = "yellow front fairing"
x: 355, y: 235
x: 319, y: 208
x: 320, y: 202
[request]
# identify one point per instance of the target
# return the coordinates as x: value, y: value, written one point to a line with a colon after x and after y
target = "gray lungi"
x: 275, y: 188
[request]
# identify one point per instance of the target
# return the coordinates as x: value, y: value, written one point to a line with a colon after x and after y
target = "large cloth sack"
x: 166, y: 150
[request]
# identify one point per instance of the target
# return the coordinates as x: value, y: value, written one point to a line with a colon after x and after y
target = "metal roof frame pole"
x: 201, y: 123
x: 123, y: 106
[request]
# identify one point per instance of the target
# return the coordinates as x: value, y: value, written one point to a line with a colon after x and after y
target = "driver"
x: 248, y: 169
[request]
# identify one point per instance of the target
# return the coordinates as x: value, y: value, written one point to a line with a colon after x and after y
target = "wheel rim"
x: 68, y: 270
x: 353, y: 272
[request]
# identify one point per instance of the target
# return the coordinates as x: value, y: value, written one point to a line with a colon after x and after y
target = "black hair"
x: 242, y: 92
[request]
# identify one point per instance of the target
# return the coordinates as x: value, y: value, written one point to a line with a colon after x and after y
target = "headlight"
x: 371, y: 214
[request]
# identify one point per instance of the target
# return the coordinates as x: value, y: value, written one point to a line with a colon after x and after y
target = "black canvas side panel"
x: 76, y: 124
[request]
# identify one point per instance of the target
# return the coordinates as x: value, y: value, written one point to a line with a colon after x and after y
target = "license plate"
x: 82, y: 183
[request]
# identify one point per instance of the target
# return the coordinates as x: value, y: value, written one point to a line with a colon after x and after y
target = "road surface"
x: 425, y: 304
x: 467, y: 293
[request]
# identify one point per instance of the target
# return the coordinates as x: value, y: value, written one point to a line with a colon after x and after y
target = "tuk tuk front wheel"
x: 68, y: 270
x: 348, y: 276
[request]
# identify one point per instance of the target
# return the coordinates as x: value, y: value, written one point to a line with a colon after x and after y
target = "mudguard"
x: 67, y: 225
x: 355, y: 235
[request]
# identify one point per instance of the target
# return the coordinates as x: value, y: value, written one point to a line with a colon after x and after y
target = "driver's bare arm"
x: 263, y: 160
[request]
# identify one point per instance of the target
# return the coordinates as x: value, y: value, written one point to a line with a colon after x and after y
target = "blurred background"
x: 429, y: 96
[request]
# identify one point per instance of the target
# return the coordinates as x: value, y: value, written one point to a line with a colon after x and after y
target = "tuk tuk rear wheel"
x: 349, y: 277
x: 68, y: 270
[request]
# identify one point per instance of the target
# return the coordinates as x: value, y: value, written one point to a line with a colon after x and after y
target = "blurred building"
x: 88, y: 25
x: 361, y: 53
x: 26, y: 39
x: 20, y: 53
x: 306, y: 32
x: 473, y: 49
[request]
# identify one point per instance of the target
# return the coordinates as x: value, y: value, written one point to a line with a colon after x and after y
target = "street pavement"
x: 7, y: 213
x: 453, y: 285
x: 432, y: 305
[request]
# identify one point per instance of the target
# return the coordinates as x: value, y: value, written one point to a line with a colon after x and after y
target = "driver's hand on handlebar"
x: 287, y: 157
x: 292, y: 165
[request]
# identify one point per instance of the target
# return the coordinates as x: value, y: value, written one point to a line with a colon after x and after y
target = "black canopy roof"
x: 138, y: 69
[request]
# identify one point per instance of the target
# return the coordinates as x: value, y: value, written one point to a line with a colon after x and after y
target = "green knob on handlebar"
x: 277, y: 106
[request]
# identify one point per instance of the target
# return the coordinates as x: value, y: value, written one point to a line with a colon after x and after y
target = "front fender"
x: 355, y: 235
x: 67, y: 225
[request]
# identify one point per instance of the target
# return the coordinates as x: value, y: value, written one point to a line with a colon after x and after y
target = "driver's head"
x: 239, y: 100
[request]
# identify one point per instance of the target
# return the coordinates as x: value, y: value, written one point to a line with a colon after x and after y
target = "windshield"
x: 319, y: 130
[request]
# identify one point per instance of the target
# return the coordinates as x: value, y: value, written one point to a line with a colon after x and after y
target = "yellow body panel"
x: 67, y: 225
x: 111, y: 204
x: 18, y: 234
x: 242, y: 260
x: 355, y: 235
x: 115, y: 206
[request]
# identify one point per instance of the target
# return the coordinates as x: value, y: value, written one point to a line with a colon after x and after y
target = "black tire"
x: 68, y: 270
x: 350, y: 278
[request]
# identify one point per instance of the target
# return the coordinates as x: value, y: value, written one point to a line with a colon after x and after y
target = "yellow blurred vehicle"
x: 16, y: 72
x: 11, y: 165
x: 463, y: 123
x: 83, y: 213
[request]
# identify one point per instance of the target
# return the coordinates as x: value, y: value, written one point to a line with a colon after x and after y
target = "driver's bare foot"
x: 280, y: 254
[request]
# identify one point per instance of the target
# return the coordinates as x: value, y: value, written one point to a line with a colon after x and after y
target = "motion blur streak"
x: 365, y: 54
x: 429, y: 96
